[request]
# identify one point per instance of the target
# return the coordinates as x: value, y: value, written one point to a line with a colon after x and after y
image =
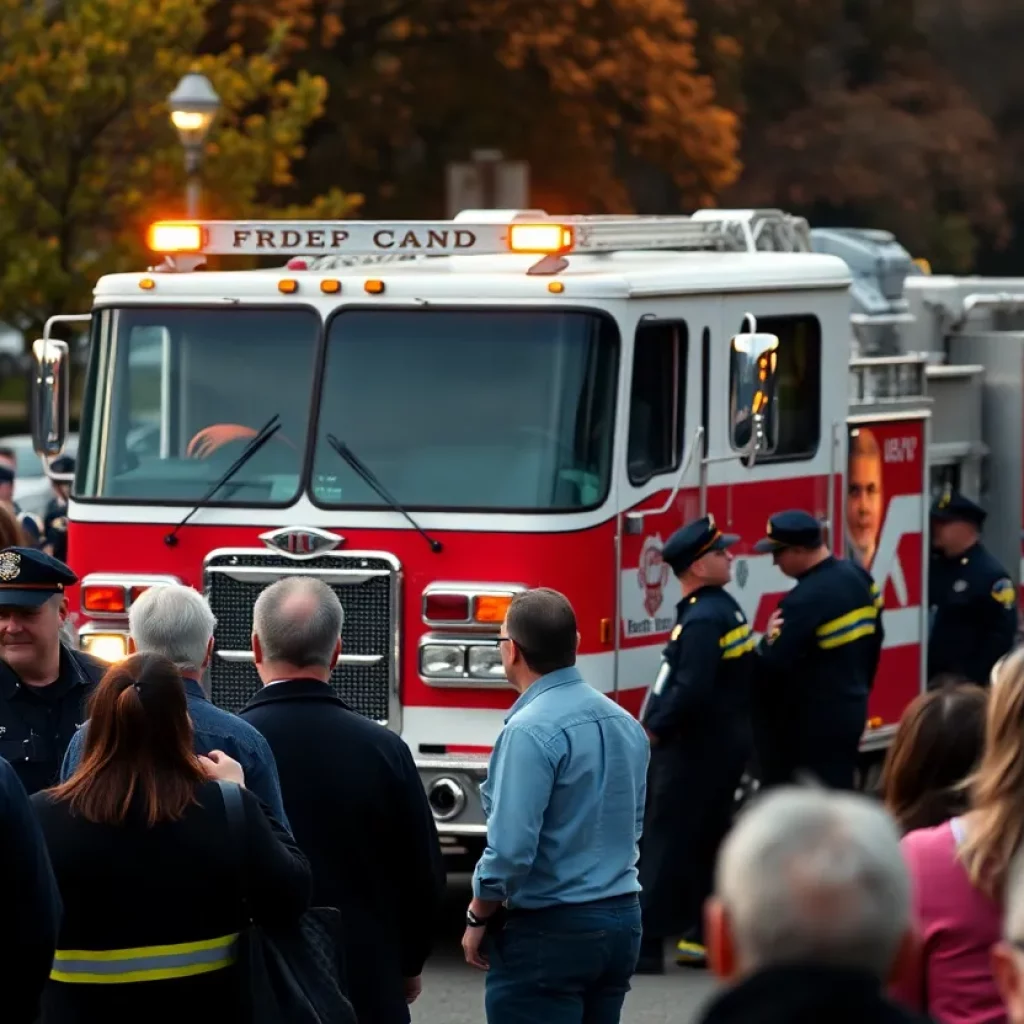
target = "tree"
x: 850, y: 120
x: 88, y: 156
x: 596, y: 94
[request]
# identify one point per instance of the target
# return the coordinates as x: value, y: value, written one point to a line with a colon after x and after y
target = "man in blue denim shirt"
x: 564, y: 799
x: 177, y: 623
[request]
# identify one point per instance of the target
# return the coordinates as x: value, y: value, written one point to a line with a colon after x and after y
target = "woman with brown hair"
x: 937, y: 745
x: 154, y: 892
x: 11, y: 533
x: 959, y: 869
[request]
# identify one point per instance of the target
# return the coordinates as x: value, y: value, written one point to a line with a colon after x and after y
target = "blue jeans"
x: 564, y: 965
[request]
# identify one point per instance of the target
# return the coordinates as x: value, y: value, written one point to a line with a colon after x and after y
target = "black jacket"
x: 37, y: 723
x: 30, y: 901
x: 807, y: 995
x: 357, y: 808
x: 973, y: 606
x: 129, y: 886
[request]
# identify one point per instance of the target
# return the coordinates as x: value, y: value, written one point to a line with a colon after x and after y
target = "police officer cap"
x: 63, y: 464
x: 694, y: 541
x: 6, y: 474
x: 792, y: 529
x: 29, y: 578
x: 951, y: 506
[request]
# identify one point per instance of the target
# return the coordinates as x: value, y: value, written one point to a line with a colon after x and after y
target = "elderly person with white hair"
x: 811, y: 916
x: 177, y: 623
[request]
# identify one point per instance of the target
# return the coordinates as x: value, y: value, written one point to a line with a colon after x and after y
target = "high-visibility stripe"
x: 736, y: 642
x: 877, y: 595
x: 143, y: 963
x: 847, y: 628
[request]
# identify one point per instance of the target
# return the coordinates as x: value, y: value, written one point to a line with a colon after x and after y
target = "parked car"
x: 32, y: 490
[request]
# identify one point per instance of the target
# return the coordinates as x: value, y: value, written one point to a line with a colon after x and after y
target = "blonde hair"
x: 997, y: 786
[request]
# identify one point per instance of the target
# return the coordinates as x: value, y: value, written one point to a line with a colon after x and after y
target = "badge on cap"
x: 10, y: 566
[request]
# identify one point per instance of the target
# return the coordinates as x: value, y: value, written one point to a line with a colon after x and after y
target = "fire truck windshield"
x: 175, y: 394
x: 484, y: 409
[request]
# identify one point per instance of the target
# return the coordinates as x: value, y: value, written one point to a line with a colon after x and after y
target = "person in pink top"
x: 959, y: 871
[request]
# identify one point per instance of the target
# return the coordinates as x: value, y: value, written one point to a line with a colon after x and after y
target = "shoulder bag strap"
x: 234, y: 810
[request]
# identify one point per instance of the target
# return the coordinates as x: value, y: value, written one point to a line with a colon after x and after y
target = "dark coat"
x: 30, y: 901
x: 807, y: 995
x: 130, y: 886
x: 37, y: 723
x: 358, y: 810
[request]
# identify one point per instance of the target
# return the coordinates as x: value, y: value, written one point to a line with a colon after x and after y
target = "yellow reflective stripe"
x: 143, y: 963
x: 876, y: 594
x: 740, y: 649
x: 222, y: 942
x: 734, y: 635
x: 126, y: 977
x: 848, y: 637
x: 865, y: 612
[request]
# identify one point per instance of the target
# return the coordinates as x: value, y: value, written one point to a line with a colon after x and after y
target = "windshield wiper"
x: 370, y: 478
x: 263, y: 435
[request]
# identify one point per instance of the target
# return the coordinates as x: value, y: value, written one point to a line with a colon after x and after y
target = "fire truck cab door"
x: 663, y: 401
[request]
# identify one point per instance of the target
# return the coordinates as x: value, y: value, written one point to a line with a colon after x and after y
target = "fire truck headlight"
x: 440, y: 660
x: 109, y: 647
x: 485, y: 662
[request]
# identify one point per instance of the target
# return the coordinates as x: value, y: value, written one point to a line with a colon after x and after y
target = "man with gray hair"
x: 177, y: 623
x: 357, y: 806
x: 811, y: 915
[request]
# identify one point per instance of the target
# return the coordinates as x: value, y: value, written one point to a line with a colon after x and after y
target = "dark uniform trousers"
x: 814, y: 677
x: 37, y: 723
x: 973, y: 615
x: 699, y: 711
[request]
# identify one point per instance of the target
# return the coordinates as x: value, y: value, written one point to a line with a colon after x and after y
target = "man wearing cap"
x: 973, y: 600
x: 697, y: 716
x: 43, y: 684
x: 817, y: 659
x: 55, y: 518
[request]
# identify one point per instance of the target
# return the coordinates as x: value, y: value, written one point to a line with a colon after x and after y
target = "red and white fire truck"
x: 433, y: 416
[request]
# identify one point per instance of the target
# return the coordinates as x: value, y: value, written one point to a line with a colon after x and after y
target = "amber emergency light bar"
x: 538, y: 235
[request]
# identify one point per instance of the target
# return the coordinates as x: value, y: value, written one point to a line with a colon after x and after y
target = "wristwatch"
x: 473, y: 921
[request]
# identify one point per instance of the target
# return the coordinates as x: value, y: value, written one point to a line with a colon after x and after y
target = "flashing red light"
x: 297, y: 263
x: 443, y: 607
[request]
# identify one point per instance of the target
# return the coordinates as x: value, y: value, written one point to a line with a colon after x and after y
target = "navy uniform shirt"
x: 703, y: 688
x: 38, y: 722
x: 973, y: 614
x: 826, y: 653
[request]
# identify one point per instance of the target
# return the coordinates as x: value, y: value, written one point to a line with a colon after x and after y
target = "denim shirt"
x: 564, y: 798
x: 216, y: 729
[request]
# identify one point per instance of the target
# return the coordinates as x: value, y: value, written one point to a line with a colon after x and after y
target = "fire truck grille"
x: 367, y: 587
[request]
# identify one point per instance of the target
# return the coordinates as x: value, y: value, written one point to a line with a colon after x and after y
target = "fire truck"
x: 432, y: 417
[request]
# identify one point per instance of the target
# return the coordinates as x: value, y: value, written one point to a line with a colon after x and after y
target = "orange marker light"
x: 103, y: 599
x: 168, y: 237
x: 287, y: 286
x: 147, y: 284
x: 556, y: 287
x: 540, y: 238
x: 491, y: 608
x: 374, y: 287
x: 330, y: 286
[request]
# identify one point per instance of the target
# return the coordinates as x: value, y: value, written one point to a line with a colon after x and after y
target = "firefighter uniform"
x: 816, y: 670
x: 37, y: 722
x: 697, y: 713
x: 973, y: 601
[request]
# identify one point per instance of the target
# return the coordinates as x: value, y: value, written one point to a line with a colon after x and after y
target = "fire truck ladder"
x: 323, y: 245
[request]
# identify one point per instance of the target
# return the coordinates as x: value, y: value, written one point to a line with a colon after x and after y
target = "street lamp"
x: 193, y: 104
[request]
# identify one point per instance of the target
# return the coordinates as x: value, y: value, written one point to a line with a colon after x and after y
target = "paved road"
x: 453, y: 991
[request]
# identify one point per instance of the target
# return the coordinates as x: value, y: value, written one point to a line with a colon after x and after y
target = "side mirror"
x: 753, y: 364
x: 51, y: 397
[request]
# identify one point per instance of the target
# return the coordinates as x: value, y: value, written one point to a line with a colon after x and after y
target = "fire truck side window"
x: 793, y: 421
x: 657, y: 400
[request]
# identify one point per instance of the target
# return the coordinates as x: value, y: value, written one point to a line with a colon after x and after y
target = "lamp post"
x: 193, y: 105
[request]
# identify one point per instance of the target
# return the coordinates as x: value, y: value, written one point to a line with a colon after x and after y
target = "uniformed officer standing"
x: 55, y: 518
x: 43, y: 684
x: 697, y: 716
x: 817, y: 659
x: 972, y: 598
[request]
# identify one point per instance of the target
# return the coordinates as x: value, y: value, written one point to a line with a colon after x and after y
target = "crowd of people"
x: 150, y: 835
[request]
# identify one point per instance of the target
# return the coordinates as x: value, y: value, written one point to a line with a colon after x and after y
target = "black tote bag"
x: 288, y: 975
